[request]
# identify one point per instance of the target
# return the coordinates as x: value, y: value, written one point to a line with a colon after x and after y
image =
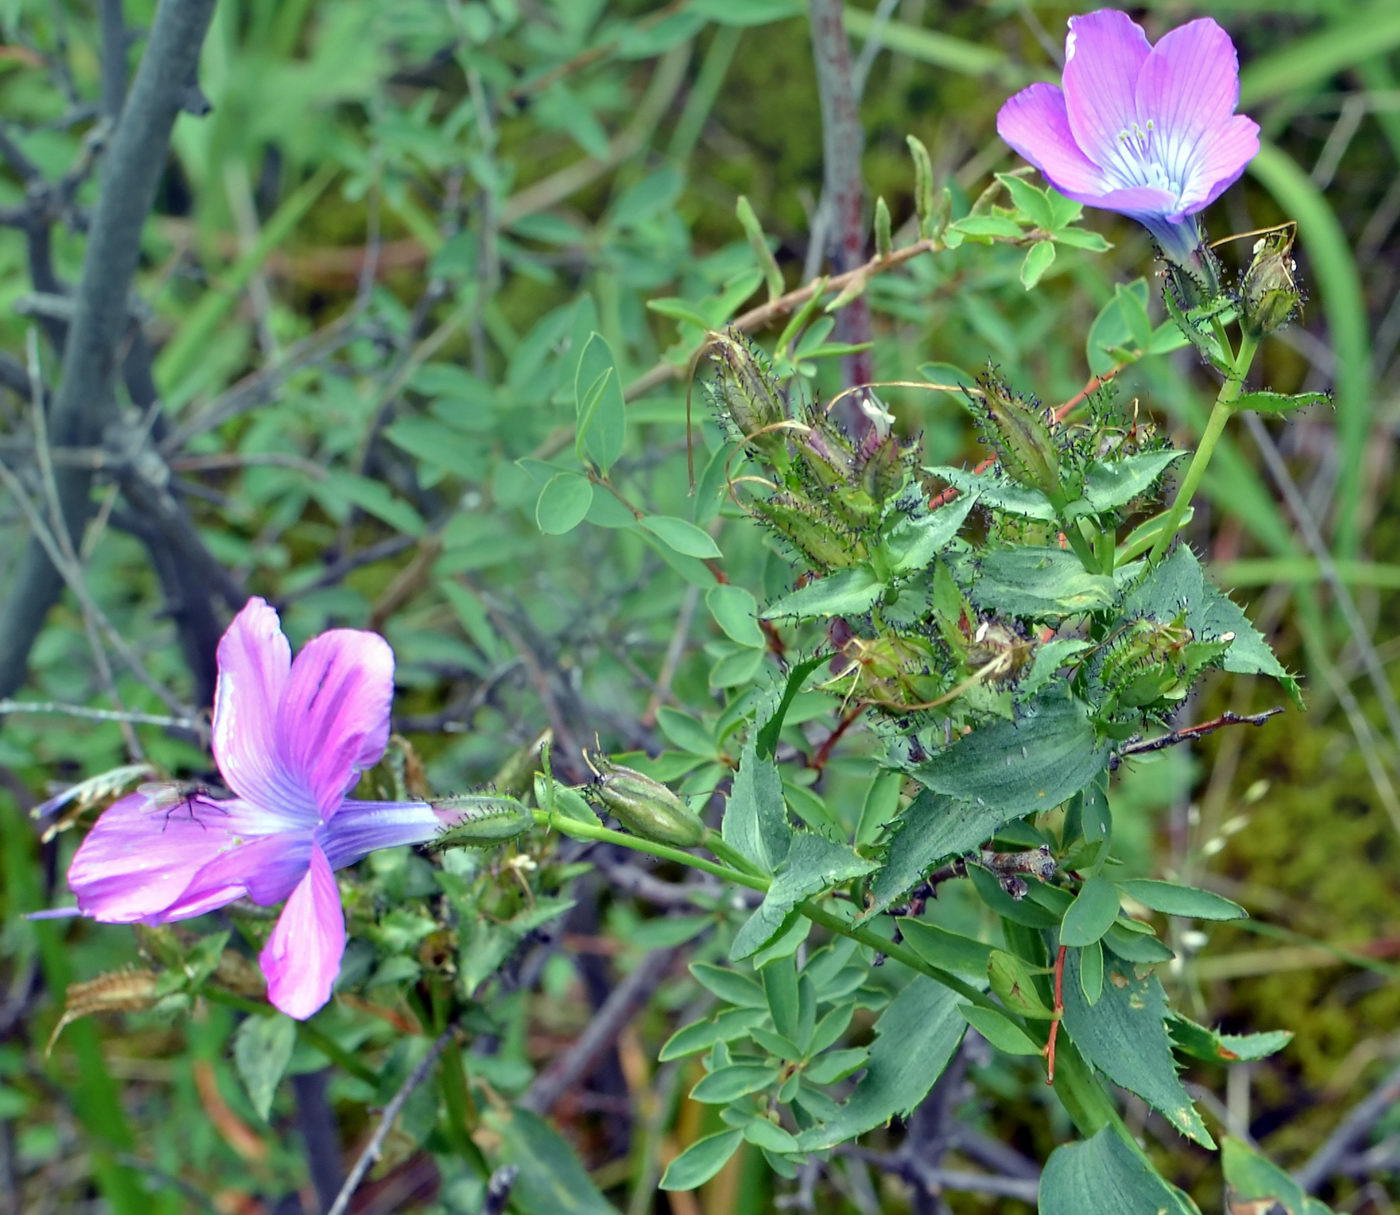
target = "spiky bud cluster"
x: 1018, y: 430
x: 644, y: 806
x: 1153, y: 664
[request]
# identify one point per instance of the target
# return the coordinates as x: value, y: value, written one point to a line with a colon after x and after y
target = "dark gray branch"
x: 612, y: 1018
x: 843, y: 191
x: 1323, y: 1162
x: 86, y: 397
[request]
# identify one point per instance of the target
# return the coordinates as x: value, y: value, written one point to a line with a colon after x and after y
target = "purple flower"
x: 1148, y: 131
x: 290, y: 740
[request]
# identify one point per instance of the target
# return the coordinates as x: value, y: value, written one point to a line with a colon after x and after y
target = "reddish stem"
x: 1059, y: 1013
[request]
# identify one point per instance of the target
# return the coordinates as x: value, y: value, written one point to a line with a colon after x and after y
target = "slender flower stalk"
x: 290, y: 739
x: 1148, y: 131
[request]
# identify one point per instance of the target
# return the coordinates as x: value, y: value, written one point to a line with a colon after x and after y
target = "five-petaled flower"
x: 290, y: 739
x: 1148, y: 131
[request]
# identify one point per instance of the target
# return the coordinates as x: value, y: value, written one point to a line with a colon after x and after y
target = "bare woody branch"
x: 85, y: 398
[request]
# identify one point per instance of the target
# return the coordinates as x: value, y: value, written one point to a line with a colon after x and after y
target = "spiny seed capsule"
x: 1269, y: 291
x: 644, y: 806
x: 1019, y: 432
x: 476, y: 820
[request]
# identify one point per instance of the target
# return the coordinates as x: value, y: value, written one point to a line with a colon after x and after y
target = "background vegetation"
x: 361, y: 277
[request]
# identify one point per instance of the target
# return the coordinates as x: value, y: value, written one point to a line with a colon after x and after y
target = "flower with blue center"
x: 1148, y: 131
x: 290, y: 740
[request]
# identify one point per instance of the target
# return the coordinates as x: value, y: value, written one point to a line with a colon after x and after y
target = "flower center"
x: 1143, y: 158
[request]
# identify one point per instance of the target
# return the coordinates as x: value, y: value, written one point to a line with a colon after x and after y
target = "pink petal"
x: 254, y: 661
x: 266, y: 870
x: 333, y: 721
x: 1188, y: 89
x: 140, y: 857
x: 360, y: 828
x: 1104, y: 53
x: 302, y: 956
x: 1035, y: 123
x: 1231, y: 147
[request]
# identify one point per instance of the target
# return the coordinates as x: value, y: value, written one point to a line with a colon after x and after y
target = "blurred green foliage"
x: 373, y: 274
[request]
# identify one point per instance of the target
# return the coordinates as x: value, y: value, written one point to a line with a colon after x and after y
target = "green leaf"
x: 837, y: 1065
x: 736, y: 612
x: 1281, y: 402
x: 780, y: 990
x: 1178, y: 583
x: 1013, y: 981
x: 947, y: 950
x: 1000, y: 772
x: 262, y: 1048
x: 987, y: 225
x: 1037, y: 583
x: 727, y: 1084
x: 1078, y: 238
x: 373, y: 497
x: 1005, y: 1035
x: 1109, y: 484
x: 729, y: 985
x: 680, y: 536
x: 1064, y: 211
x: 1091, y: 972
x: 1012, y: 768
x: 812, y: 865
x: 762, y: 1132
x: 686, y: 732
x: 915, y: 540
x: 551, y: 1177
x: 767, y: 737
x: 755, y: 817
x: 1255, y: 1183
x: 1124, y: 1035
x: 1091, y: 914
x: 562, y: 503
x: 1211, y: 1045
x: 1039, y: 258
x: 1029, y: 200
x: 701, y: 1035
x: 1105, y: 1174
x: 599, y: 407
x: 915, y: 1037
x: 1135, y: 946
x: 699, y: 1162
x: 997, y: 491
x: 1174, y: 899
x: 846, y: 592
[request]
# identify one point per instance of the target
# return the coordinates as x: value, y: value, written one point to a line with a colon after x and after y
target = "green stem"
x: 744, y: 873
x: 1220, y: 413
x: 579, y: 830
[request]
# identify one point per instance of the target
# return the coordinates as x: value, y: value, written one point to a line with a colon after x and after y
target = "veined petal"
x: 302, y: 956
x: 254, y: 664
x: 359, y: 828
x: 1036, y: 124
x: 1188, y: 88
x: 265, y: 869
x: 1104, y: 52
x: 140, y: 855
x: 333, y: 721
x: 1231, y: 147
x: 1135, y: 201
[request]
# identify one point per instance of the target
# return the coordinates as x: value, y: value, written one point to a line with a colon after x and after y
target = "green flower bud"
x: 644, y: 806
x: 825, y: 546
x: 479, y: 820
x: 1019, y: 432
x: 1269, y: 292
x: 745, y: 390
